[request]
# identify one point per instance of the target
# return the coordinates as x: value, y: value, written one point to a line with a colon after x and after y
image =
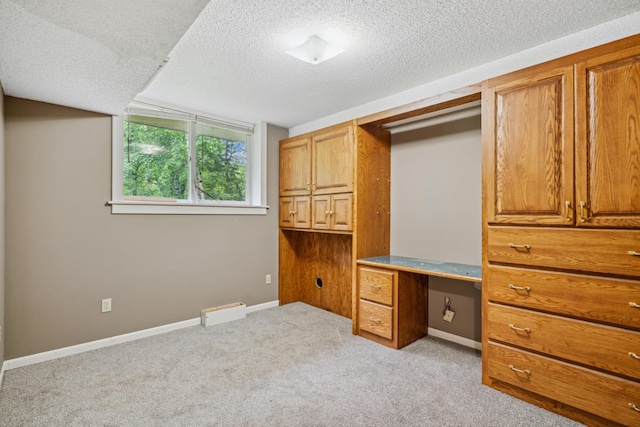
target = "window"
x: 168, y: 161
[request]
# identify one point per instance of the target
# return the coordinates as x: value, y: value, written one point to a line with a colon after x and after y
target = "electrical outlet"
x: 268, y: 279
x: 448, y: 316
x: 106, y: 305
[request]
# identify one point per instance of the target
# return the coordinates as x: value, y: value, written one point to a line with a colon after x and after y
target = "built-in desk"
x: 392, y: 294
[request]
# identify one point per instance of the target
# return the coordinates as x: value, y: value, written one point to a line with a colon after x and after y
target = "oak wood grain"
x: 603, y: 347
x: 605, y: 395
x: 295, y: 166
x: 376, y: 285
x: 599, y: 299
x: 587, y: 250
x: 332, y: 166
x: 608, y: 135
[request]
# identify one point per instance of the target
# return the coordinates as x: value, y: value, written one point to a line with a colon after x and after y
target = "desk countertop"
x: 451, y: 270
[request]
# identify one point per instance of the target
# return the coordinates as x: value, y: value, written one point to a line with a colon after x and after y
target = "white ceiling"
x: 97, y: 54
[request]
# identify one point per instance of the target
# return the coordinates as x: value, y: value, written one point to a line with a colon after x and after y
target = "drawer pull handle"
x: 519, y: 288
x: 582, y: 209
x: 634, y: 356
x: 374, y: 320
x: 527, y: 330
x: 527, y: 247
x: 634, y: 305
x: 634, y: 407
x: 523, y: 371
x: 634, y: 253
x: 372, y: 286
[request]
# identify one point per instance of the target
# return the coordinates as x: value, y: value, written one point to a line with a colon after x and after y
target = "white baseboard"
x: 455, y: 338
x: 263, y: 306
x: 106, y: 342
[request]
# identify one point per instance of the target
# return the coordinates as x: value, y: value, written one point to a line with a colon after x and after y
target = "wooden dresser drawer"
x: 601, y: 394
x: 601, y: 251
x: 595, y: 298
x: 604, y: 347
x: 376, y: 284
x: 377, y: 319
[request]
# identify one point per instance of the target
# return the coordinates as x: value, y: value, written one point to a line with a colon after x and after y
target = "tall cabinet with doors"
x: 334, y: 209
x: 561, y: 234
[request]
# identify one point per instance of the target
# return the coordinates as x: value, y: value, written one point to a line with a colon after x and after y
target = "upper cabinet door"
x: 295, y: 167
x: 608, y: 140
x: 528, y: 149
x: 333, y: 161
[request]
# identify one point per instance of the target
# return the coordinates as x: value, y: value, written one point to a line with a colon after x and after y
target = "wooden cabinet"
x: 295, y: 212
x: 561, y: 270
x: 333, y: 212
x: 295, y: 167
x: 608, y: 140
x: 529, y: 165
x: 321, y: 165
x: 387, y: 316
x: 347, y: 168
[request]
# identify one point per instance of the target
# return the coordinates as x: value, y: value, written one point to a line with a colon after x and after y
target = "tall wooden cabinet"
x: 334, y: 209
x: 561, y: 235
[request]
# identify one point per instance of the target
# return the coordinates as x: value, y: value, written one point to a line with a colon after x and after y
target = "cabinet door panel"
x: 321, y: 212
x: 531, y: 157
x: 295, y: 167
x: 342, y: 212
x: 286, y: 212
x: 608, y: 155
x: 302, y: 211
x: 333, y: 162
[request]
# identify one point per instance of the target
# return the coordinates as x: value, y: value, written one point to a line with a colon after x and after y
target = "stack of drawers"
x: 391, y: 305
x: 562, y: 317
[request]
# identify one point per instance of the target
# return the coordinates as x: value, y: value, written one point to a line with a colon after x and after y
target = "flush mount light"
x: 315, y: 50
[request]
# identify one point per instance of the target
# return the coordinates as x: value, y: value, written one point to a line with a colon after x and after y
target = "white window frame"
x: 256, y: 178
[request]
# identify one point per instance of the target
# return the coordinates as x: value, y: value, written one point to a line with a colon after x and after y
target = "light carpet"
x: 293, y: 365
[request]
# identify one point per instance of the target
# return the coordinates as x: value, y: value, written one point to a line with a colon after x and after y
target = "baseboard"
x: 2, y: 369
x: 455, y: 338
x: 106, y: 342
x: 263, y: 306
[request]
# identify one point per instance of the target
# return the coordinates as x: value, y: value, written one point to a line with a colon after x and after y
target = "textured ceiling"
x: 96, y: 54
x: 90, y: 54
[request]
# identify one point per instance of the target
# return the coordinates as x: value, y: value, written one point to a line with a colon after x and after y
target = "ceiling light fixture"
x: 315, y: 50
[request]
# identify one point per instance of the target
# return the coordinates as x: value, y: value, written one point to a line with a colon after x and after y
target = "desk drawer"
x: 376, y: 284
x: 605, y: 347
x: 587, y: 297
x: 377, y: 319
x: 601, y: 251
x: 601, y: 394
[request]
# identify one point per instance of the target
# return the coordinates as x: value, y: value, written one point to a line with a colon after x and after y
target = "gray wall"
x: 65, y: 251
x: 436, y: 212
x: 2, y: 328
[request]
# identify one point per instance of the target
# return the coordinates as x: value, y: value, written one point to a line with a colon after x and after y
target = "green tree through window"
x: 156, y: 160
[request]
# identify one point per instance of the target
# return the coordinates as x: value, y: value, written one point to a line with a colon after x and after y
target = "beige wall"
x: 436, y: 212
x: 66, y: 251
x: 2, y: 329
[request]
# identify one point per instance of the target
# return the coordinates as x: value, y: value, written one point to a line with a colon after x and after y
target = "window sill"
x: 160, y: 208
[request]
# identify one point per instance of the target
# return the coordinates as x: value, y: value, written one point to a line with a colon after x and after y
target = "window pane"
x: 221, y: 164
x: 156, y: 160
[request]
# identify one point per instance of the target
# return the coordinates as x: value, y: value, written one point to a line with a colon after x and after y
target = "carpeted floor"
x: 294, y: 365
